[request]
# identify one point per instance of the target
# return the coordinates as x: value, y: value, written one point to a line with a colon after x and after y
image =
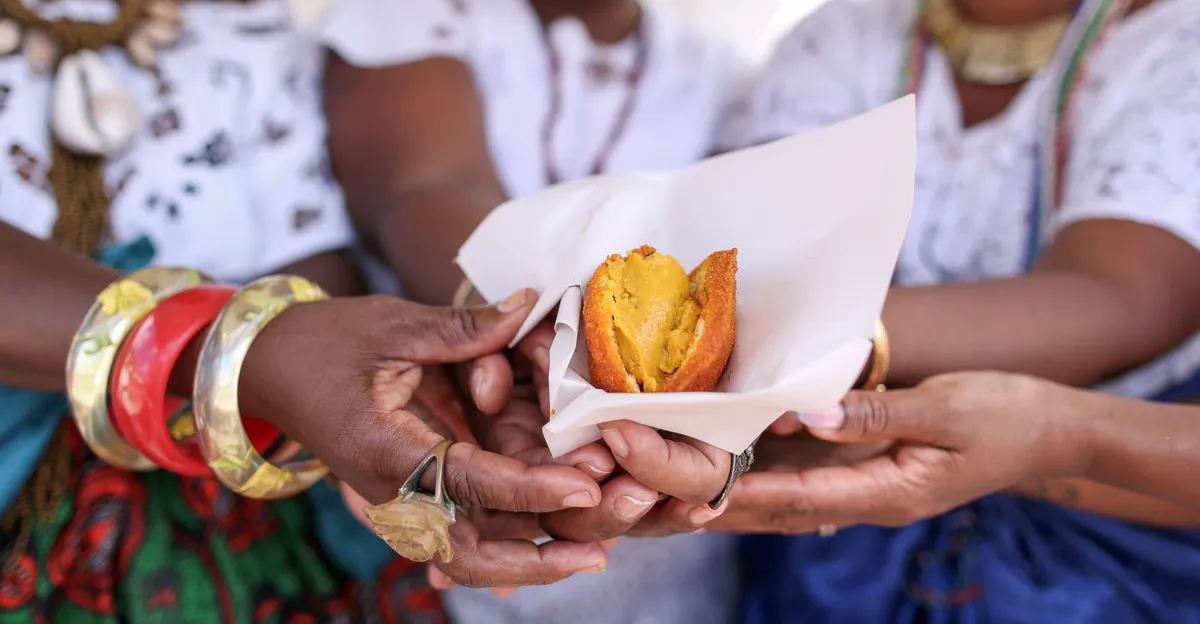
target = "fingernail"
x: 514, y: 301
x: 629, y: 508
x: 476, y: 381
x: 830, y: 419
x: 541, y: 358
x: 580, y: 499
x: 503, y: 592
x: 701, y: 516
x: 591, y: 470
x: 597, y: 568
x: 616, y: 442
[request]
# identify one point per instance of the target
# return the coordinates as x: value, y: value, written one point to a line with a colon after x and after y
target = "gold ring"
x: 463, y: 294
x: 219, y: 430
x: 827, y: 530
x: 416, y: 524
x: 89, y: 365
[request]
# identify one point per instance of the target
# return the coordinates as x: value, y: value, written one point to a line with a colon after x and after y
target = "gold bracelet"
x: 463, y: 294
x: 881, y: 359
x: 219, y: 430
x: 89, y: 364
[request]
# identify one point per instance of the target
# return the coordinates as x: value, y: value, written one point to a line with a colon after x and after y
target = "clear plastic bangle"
x: 89, y: 365
x: 219, y: 430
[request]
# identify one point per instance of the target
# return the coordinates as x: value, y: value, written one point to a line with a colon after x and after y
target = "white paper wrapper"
x: 818, y: 220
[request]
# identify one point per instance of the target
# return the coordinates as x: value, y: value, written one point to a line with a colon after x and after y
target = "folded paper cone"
x: 651, y: 327
x: 817, y: 220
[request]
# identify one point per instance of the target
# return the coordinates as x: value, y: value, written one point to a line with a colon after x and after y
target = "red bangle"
x: 140, y: 405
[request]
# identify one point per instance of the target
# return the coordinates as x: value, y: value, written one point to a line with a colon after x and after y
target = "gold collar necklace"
x: 993, y: 55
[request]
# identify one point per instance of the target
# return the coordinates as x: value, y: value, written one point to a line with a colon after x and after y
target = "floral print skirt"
x: 144, y: 548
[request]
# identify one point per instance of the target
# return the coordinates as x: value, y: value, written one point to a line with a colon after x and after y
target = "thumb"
x: 451, y: 335
x: 866, y: 416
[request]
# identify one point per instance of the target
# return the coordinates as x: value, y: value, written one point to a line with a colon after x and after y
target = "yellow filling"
x: 654, y: 317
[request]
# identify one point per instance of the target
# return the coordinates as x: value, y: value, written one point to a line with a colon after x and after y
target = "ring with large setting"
x: 416, y: 524
x: 90, y: 362
x: 738, y: 467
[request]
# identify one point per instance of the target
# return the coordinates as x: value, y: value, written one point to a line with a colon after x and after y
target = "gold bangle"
x: 881, y: 359
x: 89, y: 364
x: 219, y: 431
x: 463, y: 294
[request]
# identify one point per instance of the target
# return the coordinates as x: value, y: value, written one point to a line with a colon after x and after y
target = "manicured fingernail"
x: 616, y: 442
x: 701, y: 516
x: 580, y: 499
x: 830, y: 419
x: 629, y: 508
x: 514, y: 301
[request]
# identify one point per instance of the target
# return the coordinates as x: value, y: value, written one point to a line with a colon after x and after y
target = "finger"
x: 514, y: 563
x: 786, y: 425
x: 503, y: 592
x: 517, y: 433
x: 490, y: 381
x: 686, y: 469
x: 674, y: 517
x: 389, y: 447
x: 536, y: 347
x: 493, y: 525
x: 438, y: 579
x: 873, y: 416
x: 625, y: 502
x: 436, y: 402
x: 874, y: 491
x: 430, y: 335
x: 354, y: 502
x: 476, y: 477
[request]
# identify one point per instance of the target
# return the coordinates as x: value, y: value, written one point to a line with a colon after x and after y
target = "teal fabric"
x: 352, y: 546
x: 28, y: 418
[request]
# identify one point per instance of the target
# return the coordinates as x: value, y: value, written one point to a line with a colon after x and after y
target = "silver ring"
x: 738, y: 467
x: 827, y: 530
x: 416, y: 524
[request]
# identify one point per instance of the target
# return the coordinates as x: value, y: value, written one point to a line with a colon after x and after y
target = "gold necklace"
x: 993, y: 55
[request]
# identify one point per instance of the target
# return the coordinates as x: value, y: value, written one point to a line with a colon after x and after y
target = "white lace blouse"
x: 1135, y: 145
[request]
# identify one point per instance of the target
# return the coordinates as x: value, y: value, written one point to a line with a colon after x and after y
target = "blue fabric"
x: 1002, y: 559
x: 353, y: 547
x: 28, y: 418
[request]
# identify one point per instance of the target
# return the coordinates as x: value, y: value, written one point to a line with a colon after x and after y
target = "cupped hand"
x: 338, y: 376
x: 652, y: 483
x: 924, y: 451
x: 665, y: 483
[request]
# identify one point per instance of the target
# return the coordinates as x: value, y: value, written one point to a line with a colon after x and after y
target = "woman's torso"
x: 1135, y: 146
x: 975, y: 186
x: 673, y: 113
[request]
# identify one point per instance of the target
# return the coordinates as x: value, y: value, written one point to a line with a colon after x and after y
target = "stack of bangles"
x: 122, y: 357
